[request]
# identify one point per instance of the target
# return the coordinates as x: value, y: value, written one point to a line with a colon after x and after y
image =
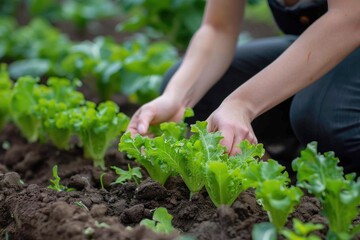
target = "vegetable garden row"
x: 68, y: 169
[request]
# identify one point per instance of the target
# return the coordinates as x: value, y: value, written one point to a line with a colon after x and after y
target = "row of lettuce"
x: 133, y: 68
x: 57, y: 112
x: 201, y: 161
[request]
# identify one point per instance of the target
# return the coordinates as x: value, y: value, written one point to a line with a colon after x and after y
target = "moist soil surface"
x: 30, y: 210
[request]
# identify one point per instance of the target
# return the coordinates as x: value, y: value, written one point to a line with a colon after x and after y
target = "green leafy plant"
x: 5, y: 95
x: 22, y: 107
x: 98, y: 127
x: 339, y: 194
x: 176, y: 20
x: 224, y: 178
x: 55, y: 182
x: 271, y: 184
x: 302, y: 231
x: 133, y: 174
x: 264, y: 231
x: 278, y: 200
x: 133, y: 146
x: 82, y: 205
x: 54, y: 111
x: 161, y: 221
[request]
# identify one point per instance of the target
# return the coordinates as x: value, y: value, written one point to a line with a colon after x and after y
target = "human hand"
x: 234, y: 123
x: 162, y: 109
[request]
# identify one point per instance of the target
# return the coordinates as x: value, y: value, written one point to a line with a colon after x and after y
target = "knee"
x: 334, y: 129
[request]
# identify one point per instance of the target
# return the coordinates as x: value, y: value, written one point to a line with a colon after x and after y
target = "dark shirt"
x: 295, y: 20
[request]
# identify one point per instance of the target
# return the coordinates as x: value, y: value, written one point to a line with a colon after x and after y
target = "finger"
x: 235, y: 146
x: 144, y: 120
x: 228, y: 139
x: 132, y: 127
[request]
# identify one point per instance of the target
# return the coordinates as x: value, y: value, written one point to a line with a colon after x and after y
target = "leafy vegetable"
x: 156, y: 168
x: 98, y: 127
x: 278, y: 200
x: 5, y: 95
x: 302, y: 231
x: 161, y: 221
x: 264, y: 231
x: 224, y: 178
x: 22, y: 107
x: 54, y: 110
x: 338, y: 194
x: 272, y: 189
x: 132, y: 174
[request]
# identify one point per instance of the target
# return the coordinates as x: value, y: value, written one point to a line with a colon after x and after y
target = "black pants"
x: 328, y: 111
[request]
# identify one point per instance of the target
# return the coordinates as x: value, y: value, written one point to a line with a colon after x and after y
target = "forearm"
x: 210, y: 52
x: 317, y: 51
x: 208, y: 57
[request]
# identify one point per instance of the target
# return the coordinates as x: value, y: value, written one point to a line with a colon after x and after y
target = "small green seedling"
x: 133, y: 174
x: 102, y: 181
x: 161, y: 221
x: 82, y: 205
x: 302, y: 231
x: 55, y: 183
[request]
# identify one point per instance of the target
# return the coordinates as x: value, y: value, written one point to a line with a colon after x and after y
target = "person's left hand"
x: 234, y: 123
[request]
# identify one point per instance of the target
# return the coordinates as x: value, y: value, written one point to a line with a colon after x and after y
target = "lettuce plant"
x: 97, y: 128
x: 22, y: 107
x: 54, y: 110
x: 5, y: 95
x: 272, y: 189
x: 339, y: 194
x: 134, y: 147
x: 148, y: 152
x: 302, y: 231
x: 224, y: 177
x: 278, y: 200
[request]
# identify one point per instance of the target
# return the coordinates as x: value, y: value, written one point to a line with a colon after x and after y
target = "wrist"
x: 241, y: 105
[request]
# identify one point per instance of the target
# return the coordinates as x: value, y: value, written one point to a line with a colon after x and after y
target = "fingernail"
x: 141, y: 128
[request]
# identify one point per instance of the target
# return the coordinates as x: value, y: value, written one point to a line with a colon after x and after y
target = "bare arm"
x: 317, y: 51
x: 209, y: 55
x: 321, y: 47
x: 210, y: 52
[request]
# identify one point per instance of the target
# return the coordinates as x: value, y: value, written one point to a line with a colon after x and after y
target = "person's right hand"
x: 162, y: 109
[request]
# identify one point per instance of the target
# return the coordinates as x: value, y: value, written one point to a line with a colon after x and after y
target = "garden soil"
x: 29, y: 210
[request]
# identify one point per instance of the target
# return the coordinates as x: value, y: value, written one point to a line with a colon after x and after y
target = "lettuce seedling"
x: 302, y: 231
x: 133, y: 174
x: 157, y: 154
x: 5, y: 95
x: 278, y: 200
x: 98, y: 127
x: 338, y: 194
x: 270, y: 182
x: 258, y: 172
x: 22, y: 107
x: 134, y: 147
x: 224, y: 177
x: 55, y: 183
x: 54, y: 110
x: 161, y: 221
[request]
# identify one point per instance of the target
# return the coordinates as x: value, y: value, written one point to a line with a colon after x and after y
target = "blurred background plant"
x: 80, y: 39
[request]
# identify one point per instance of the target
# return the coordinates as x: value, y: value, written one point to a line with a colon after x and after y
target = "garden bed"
x: 29, y: 210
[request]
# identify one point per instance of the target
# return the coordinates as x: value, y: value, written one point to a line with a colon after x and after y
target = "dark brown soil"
x: 30, y: 210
